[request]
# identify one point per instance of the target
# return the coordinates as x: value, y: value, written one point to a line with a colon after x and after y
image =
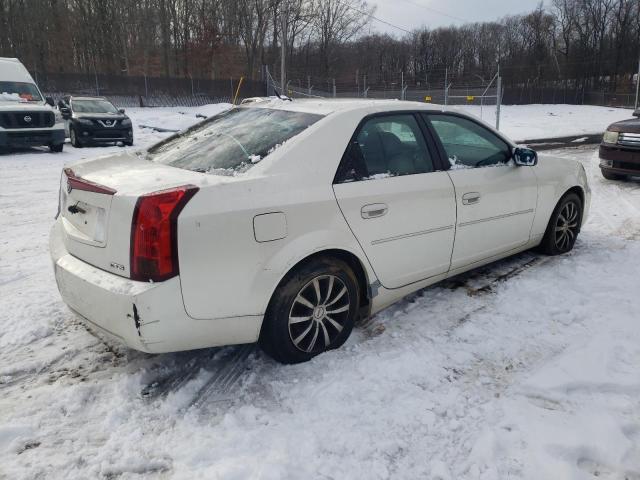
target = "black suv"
x: 95, y: 121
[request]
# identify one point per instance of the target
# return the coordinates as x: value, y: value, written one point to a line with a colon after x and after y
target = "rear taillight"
x: 154, y: 233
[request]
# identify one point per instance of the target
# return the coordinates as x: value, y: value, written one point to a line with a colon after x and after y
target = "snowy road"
x: 525, y: 369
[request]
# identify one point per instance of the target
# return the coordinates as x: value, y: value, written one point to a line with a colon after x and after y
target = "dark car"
x: 95, y: 121
x: 620, y: 149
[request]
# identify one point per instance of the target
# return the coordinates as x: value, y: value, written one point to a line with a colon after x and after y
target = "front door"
x: 401, y: 210
x: 496, y: 200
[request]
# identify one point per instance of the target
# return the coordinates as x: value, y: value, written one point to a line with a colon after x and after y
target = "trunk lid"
x: 97, y: 203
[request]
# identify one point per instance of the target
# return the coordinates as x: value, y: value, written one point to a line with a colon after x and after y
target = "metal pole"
x: 446, y: 88
x: 499, y: 99
x: 308, y: 84
x: 637, y: 85
x: 95, y: 71
x: 334, y: 88
x: 283, y: 48
x: 401, y: 85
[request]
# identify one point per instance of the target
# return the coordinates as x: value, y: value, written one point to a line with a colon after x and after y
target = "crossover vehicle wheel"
x: 73, y: 137
x: 612, y: 176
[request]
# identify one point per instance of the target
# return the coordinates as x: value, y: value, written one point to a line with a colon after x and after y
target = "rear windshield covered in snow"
x: 230, y: 143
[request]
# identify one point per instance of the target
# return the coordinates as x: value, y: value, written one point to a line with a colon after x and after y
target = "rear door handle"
x: 374, y: 210
x: 470, y: 198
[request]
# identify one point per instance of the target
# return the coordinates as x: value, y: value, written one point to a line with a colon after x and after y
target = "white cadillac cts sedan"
x: 282, y: 222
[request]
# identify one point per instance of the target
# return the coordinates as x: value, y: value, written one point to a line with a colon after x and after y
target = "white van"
x: 27, y: 119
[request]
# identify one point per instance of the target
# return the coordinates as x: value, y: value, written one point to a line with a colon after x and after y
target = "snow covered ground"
x: 526, y: 369
x: 533, y: 122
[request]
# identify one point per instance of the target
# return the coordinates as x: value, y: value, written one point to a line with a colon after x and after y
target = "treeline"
x: 592, y: 42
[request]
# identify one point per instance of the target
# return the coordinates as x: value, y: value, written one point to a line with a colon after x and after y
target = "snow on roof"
x: 12, y: 70
x: 325, y: 106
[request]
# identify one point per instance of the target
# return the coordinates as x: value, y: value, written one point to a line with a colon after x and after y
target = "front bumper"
x: 149, y: 317
x: 94, y: 134
x: 620, y: 160
x: 31, y: 137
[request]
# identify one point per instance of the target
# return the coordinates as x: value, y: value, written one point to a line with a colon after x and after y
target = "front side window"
x: 20, y: 91
x: 386, y: 146
x: 93, y: 106
x: 468, y: 144
x: 230, y: 143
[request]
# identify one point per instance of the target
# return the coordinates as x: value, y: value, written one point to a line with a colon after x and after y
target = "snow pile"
x: 11, y: 97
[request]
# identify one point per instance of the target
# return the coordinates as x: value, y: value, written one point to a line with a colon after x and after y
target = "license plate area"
x: 85, y: 216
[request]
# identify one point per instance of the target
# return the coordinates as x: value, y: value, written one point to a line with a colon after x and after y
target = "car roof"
x: 12, y: 70
x: 326, y: 106
x: 74, y: 97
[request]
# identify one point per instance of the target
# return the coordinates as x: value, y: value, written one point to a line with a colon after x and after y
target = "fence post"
x: 499, y: 99
x: 446, y: 86
x: 334, y: 88
x: 638, y: 84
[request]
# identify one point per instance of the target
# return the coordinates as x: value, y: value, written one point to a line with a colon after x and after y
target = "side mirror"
x: 65, y: 112
x: 637, y: 113
x: 49, y: 101
x: 121, y: 110
x: 525, y: 157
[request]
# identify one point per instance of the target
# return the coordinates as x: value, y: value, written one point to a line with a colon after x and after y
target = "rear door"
x: 496, y: 200
x: 397, y: 202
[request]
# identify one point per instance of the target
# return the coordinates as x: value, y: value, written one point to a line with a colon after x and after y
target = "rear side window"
x: 230, y: 143
x: 386, y: 146
x: 468, y: 144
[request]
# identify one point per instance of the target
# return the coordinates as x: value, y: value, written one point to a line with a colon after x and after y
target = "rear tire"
x: 56, y: 147
x: 612, y: 176
x: 313, y: 310
x: 564, y: 226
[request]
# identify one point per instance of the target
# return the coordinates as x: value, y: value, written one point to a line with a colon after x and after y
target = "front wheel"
x: 73, y: 137
x: 313, y: 310
x: 564, y: 226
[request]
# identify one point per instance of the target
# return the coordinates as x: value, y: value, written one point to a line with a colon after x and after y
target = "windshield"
x: 21, y: 91
x: 230, y: 143
x: 93, y: 106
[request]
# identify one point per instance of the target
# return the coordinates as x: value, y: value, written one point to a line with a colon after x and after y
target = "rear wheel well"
x: 348, y: 258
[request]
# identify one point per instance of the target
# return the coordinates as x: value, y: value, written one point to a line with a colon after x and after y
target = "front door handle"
x: 470, y: 198
x: 374, y: 210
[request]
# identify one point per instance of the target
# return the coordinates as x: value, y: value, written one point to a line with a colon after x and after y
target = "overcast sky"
x: 410, y: 14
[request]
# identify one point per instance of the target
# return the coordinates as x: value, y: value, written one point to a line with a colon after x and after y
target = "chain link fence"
x: 141, y: 91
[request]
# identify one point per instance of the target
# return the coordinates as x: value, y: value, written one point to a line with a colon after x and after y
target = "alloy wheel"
x: 566, y: 228
x: 319, y: 313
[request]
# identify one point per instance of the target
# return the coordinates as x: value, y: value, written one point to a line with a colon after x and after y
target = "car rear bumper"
x: 31, y: 137
x: 149, y: 317
x: 625, y: 161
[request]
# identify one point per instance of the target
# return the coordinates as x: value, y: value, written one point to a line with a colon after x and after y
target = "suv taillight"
x: 154, y: 233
